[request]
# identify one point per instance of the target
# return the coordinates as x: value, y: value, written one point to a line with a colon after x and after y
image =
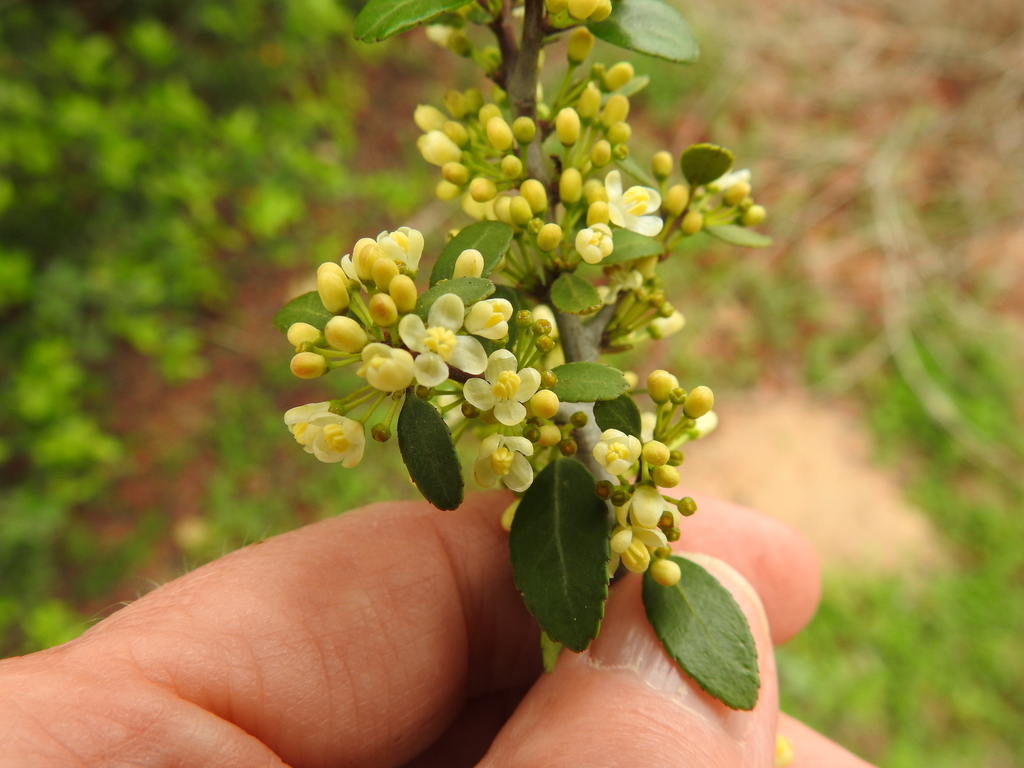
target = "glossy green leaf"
x: 703, y: 629
x: 306, y: 308
x: 621, y: 414
x: 469, y: 289
x: 429, y: 453
x: 737, y: 235
x: 381, y: 19
x: 629, y: 245
x: 633, y: 87
x: 650, y: 27
x: 559, y: 550
x: 703, y: 163
x: 491, y: 238
x: 587, y: 382
x: 574, y: 294
x: 549, y: 651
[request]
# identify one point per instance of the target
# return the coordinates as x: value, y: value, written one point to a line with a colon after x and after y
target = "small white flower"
x: 328, y: 436
x: 662, y: 327
x: 722, y: 183
x: 632, y: 208
x: 404, y: 245
x: 616, y: 451
x: 706, y: 424
x: 437, y: 148
x: 489, y: 318
x: 594, y: 244
x: 631, y: 544
x: 644, y: 507
x: 620, y: 280
x: 504, y: 457
x: 505, y: 390
x: 439, y: 34
x: 387, y: 368
x: 648, y: 421
x: 437, y: 343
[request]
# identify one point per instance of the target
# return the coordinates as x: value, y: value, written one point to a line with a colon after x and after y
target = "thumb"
x: 624, y: 702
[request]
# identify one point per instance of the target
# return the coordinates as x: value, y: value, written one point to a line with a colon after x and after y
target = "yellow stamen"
x: 440, y: 340
x: 501, y: 461
x: 334, y: 436
x: 636, y: 200
x: 506, y: 386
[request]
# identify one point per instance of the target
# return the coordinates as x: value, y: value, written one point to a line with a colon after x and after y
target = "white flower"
x: 644, y: 507
x: 489, y: 318
x: 620, y: 280
x: 594, y: 244
x: 505, y: 458
x: 439, y: 34
x: 631, y: 544
x: 617, y: 451
x: 404, y: 245
x: 631, y: 209
x: 437, y: 343
x: 648, y: 421
x: 437, y: 148
x: 504, y: 390
x: 662, y: 327
x: 706, y: 424
x: 328, y: 436
x: 387, y: 368
x: 722, y: 183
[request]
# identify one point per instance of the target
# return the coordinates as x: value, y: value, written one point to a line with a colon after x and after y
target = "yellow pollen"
x: 506, y: 386
x: 440, y: 340
x: 636, y: 200
x: 334, y: 436
x: 501, y: 461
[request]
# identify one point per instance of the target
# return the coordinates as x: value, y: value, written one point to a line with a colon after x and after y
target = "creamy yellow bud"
x: 736, y: 194
x: 655, y: 453
x: 567, y: 126
x: 524, y: 129
x: 382, y: 310
x: 345, y: 335
x: 616, y: 110
x: 509, y: 515
x: 550, y: 435
x: 549, y: 237
x: 474, y: 99
x: 308, y: 365
x: 503, y: 209
x: 659, y: 384
x: 482, y: 189
x: 602, y: 11
x: 445, y: 190
x: 301, y: 333
x: 456, y: 105
x: 661, y: 165
x: 456, y: 132
x: 589, y: 102
x: 693, y: 222
x: 332, y: 285
x: 581, y: 42
x: 487, y: 111
x: 619, y: 133
x: 676, y: 199
x: 555, y: 7
x: 437, y: 148
x: 594, y: 191
x: 667, y: 573
x: 631, y: 378
x: 456, y: 173
x: 601, y: 153
x: 364, y: 256
x: 498, y: 95
x: 428, y: 118
x: 383, y: 272
x: 403, y: 291
x: 698, y: 402
x: 636, y: 557
x: 570, y: 186
x: 511, y: 167
x: 469, y: 264
x: 535, y: 195
x: 665, y: 477
x: 520, y: 211
x: 544, y: 404
x: 597, y: 213
x: 499, y: 134
x: 618, y: 76
x: 754, y: 216
x: 646, y: 266
x: 581, y: 9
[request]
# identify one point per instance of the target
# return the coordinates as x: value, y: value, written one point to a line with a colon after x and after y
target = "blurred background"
x: 171, y: 173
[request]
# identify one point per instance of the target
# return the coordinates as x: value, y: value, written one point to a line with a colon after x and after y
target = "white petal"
x: 468, y: 355
x: 413, y: 332
x: 415, y: 247
x: 483, y: 473
x: 500, y: 360
x: 618, y: 467
x: 647, y: 506
x: 613, y: 184
x: 431, y: 370
x: 647, y: 225
x: 651, y: 537
x: 529, y: 381
x: 621, y: 539
x: 611, y: 434
x: 520, y: 444
x: 621, y: 514
x: 655, y: 200
x: 600, y: 453
x: 634, y: 447
x: 447, y: 312
x: 302, y: 413
x: 509, y: 412
x: 520, y: 474
x: 478, y: 393
x: 615, y: 216
x: 349, y: 268
x: 490, y: 444
x: 325, y: 454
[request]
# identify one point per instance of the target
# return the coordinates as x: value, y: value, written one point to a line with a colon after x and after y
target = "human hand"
x: 393, y: 635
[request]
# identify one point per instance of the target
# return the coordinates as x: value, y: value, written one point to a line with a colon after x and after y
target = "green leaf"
x: 637, y: 171
x: 549, y: 651
x: 429, y: 453
x: 306, y: 308
x: 587, y: 382
x: 703, y: 629
x: 629, y: 245
x: 559, y: 550
x: 703, y: 163
x: 621, y: 414
x: 650, y: 27
x: 633, y: 87
x: 469, y: 289
x: 573, y: 294
x: 736, y: 235
x: 491, y: 238
x: 381, y: 19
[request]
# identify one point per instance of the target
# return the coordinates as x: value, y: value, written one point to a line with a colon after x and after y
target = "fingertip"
x: 812, y: 750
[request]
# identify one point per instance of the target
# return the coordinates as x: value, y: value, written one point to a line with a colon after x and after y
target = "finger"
x: 812, y: 750
x: 624, y: 702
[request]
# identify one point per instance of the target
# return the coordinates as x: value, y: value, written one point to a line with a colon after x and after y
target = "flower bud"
x: 428, y: 118
x: 567, y: 126
x: 308, y: 365
x: 601, y: 153
x: 301, y: 333
x: 403, y: 291
x: 676, y: 199
x: 595, y: 191
x: 663, y: 327
x: 456, y: 173
x: 456, y: 132
x: 380, y: 432
x: 693, y: 222
x: 331, y: 284
x: 661, y: 165
x: 524, y: 129
x: 666, y: 572
x: 469, y: 264
x: 509, y: 515
x: 656, y: 453
x: 754, y: 215
x: 520, y: 211
x: 474, y: 100
x: 618, y: 76
x: 549, y: 435
x: 581, y: 42
x: 665, y: 476
x: 619, y: 133
x: 581, y: 9
x: 603, y: 10
x: 636, y: 558
x: 535, y: 194
x: 597, y: 213
x: 548, y: 379
x: 503, y: 209
x: 482, y: 190
x: 445, y: 190
x: 737, y: 193
x: 487, y: 111
x: 364, y: 255
x: 675, y: 458
x: 456, y: 105
x: 570, y: 186
x: 384, y: 271
x: 437, y: 148
x: 382, y: 310
x: 345, y: 335
x: 549, y: 237
x: 535, y: 225
x: 511, y: 167
x: 544, y: 404
x: 589, y: 102
x: 499, y: 134
x: 698, y: 402
x: 616, y: 110
x: 555, y: 7
x: 660, y: 384
x: 568, y: 447
x: 687, y: 506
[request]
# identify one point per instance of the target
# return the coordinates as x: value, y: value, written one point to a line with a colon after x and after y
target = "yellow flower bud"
x: 345, y: 334
x: 737, y: 193
x: 570, y: 186
x: 676, y: 199
x: 619, y: 133
x: 384, y: 271
x: 567, y: 126
x: 666, y: 572
x: 437, y: 148
x: 503, y: 208
x: 659, y: 384
x: 754, y: 216
x: 524, y: 129
x: 594, y: 191
x: 520, y: 211
x: 601, y: 153
x: 509, y: 515
x: 474, y: 100
x: 535, y: 195
x: 597, y: 213
x: 581, y: 9
x: 382, y: 310
x: 693, y: 222
x: 603, y: 10
x: 403, y: 291
x: 469, y: 264
x: 487, y: 111
x: 456, y: 105
x: 616, y: 110
x: 555, y: 7
x: 549, y: 237
x: 482, y: 189
x: 550, y: 435
x: 618, y: 76
x: 544, y: 404
x: 445, y: 190
x: 655, y: 453
x: 665, y: 477
x: 456, y: 173
x: 331, y: 284
x: 364, y: 256
x: 646, y: 266
x: 636, y: 557
x: 428, y: 118
x: 661, y: 165
x: 308, y: 365
x: 698, y: 402
x: 499, y: 134
x: 581, y: 42
x: 589, y: 102
x: 300, y: 333
x: 511, y: 167
x: 456, y: 132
